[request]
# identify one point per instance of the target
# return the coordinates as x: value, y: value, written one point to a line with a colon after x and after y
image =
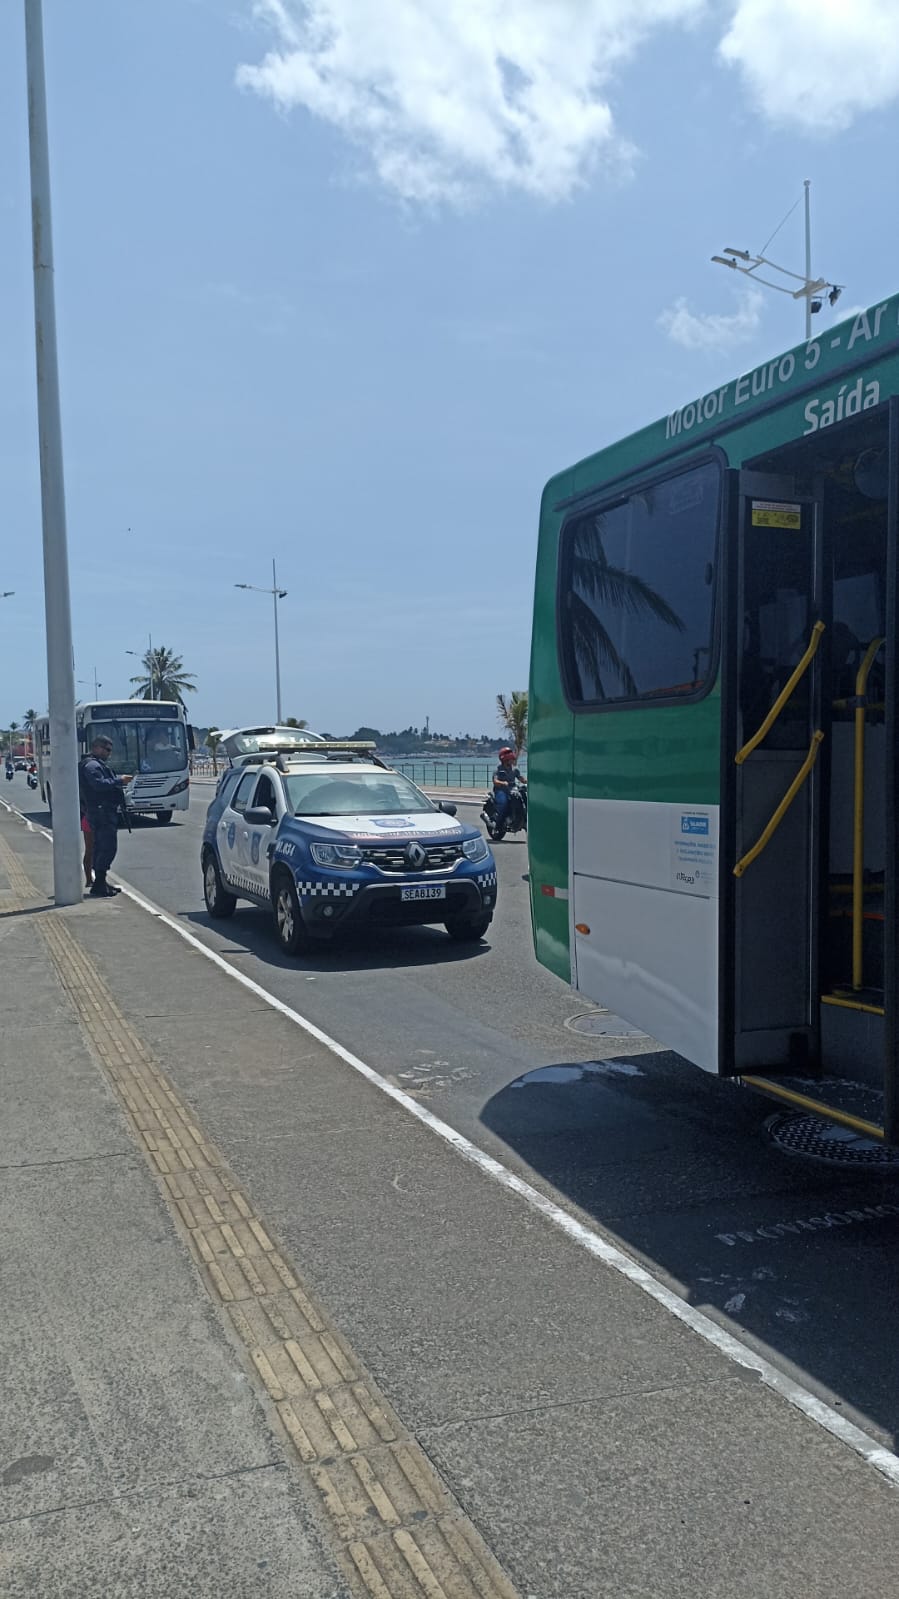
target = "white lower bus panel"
x: 644, y: 880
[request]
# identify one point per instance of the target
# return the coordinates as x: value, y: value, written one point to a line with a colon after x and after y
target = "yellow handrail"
x: 779, y: 814
x: 858, y: 816
x: 783, y: 696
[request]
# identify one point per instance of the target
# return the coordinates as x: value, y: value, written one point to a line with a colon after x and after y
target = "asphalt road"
x: 674, y: 1165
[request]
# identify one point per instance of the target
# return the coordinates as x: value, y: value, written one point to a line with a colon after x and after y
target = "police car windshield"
x: 353, y: 794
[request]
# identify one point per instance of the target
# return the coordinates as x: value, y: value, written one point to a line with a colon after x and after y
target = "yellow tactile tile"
x: 399, y: 1532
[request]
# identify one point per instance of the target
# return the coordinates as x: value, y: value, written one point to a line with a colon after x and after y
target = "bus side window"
x: 637, y: 612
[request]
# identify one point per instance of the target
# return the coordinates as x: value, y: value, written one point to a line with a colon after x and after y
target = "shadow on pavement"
x: 677, y: 1166
x: 379, y: 949
x: 41, y: 817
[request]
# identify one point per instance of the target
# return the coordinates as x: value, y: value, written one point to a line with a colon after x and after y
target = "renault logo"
x: 416, y: 857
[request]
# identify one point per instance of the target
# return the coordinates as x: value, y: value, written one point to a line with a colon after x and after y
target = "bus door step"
x: 852, y: 1105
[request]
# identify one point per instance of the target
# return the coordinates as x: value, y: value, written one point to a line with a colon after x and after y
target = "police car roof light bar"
x: 320, y: 747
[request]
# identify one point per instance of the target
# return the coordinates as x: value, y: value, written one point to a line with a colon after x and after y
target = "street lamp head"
x: 723, y: 261
x: 241, y: 585
x: 282, y: 594
x: 835, y: 293
x: 743, y: 254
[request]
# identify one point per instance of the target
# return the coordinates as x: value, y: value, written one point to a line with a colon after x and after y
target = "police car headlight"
x: 335, y: 854
x: 475, y: 849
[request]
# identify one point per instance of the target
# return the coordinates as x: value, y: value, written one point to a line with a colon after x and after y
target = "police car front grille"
x: 392, y: 858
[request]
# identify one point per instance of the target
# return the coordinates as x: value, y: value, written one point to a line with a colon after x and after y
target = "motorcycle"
x: 516, y: 817
x: 10, y: 774
x: 31, y: 779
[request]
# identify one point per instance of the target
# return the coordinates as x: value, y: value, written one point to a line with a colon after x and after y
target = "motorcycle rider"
x: 505, y: 776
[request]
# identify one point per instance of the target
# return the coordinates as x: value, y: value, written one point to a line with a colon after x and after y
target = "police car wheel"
x: 219, y: 902
x: 468, y: 929
x: 288, y: 917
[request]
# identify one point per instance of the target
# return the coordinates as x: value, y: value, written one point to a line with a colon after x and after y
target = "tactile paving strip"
x: 399, y: 1531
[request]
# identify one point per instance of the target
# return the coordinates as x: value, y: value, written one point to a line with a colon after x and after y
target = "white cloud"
x: 447, y: 98
x: 816, y: 63
x: 451, y: 96
x: 711, y: 331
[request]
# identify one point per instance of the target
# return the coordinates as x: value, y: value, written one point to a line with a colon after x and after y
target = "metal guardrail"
x: 470, y: 774
x: 447, y: 773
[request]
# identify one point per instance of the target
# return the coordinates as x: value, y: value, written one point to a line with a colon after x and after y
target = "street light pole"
x: 276, y: 594
x: 810, y: 289
x: 149, y: 660
x: 277, y: 644
x: 808, y: 260
x: 67, y: 842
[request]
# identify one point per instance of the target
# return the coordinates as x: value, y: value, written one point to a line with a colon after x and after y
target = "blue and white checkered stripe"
x: 327, y: 890
x: 487, y: 880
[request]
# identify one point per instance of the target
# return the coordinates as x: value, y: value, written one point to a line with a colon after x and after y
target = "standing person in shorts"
x: 88, y: 838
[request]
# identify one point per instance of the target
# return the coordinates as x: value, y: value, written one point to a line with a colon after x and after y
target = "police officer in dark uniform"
x: 102, y: 797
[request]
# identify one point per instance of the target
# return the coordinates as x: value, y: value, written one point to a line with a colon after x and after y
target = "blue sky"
x: 347, y: 294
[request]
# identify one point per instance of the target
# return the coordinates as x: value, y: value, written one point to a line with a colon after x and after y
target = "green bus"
x: 712, y: 745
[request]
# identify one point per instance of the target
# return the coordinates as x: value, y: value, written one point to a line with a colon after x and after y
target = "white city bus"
x: 150, y: 739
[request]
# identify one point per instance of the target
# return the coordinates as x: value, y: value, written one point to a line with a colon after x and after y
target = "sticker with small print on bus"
x: 694, y: 854
x: 773, y: 513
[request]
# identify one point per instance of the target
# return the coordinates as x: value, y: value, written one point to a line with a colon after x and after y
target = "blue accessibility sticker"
x: 694, y: 824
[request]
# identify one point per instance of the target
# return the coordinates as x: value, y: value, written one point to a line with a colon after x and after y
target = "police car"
x: 328, y: 837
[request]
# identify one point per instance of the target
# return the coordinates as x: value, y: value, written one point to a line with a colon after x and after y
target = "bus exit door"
x: 808, y: 819
x: 771, y: 787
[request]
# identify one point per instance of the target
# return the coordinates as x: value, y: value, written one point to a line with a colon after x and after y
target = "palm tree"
x: 164, y: 677
x: 594, y: 583
x: 292, y: 721
x: 213, y: 740
x: 513, y: 717
x: 30, y: 723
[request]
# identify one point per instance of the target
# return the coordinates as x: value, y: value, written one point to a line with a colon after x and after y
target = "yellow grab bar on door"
x: 858, y: 815
x: 781, y: 811
x: 785, y: 693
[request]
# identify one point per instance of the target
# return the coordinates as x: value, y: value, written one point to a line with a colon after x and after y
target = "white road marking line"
x: 814, y: 1409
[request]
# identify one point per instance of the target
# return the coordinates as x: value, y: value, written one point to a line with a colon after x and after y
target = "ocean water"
x: 454, y: 771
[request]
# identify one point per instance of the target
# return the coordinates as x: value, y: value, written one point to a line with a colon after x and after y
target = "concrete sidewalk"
x: 175, y: 1405
x: 266, y: 1333
x: 135, y: 1455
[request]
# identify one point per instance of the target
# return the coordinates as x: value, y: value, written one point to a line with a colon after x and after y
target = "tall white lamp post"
x: 276, y: 594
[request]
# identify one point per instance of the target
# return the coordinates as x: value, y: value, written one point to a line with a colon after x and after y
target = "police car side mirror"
x: 448, y: 808
x: 258, y: 816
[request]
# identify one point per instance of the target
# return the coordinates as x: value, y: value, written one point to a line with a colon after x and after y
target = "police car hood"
x: 368, y: 829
